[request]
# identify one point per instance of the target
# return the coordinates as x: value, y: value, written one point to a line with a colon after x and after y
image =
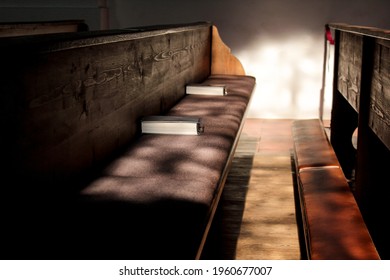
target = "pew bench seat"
x: 160, y: 194
x: 154, y: 200
x: 83, y: 182
x: 333, y: 225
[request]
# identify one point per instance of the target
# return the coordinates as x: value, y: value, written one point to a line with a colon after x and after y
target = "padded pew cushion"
x: 311, y: 145
x: 155, y: 198
x: 335, y: 227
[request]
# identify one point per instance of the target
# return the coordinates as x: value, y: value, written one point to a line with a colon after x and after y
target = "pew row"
x: 361, y: 105
x: 332, y: 223
x: 359, y: 114
x: 333, y: 226
x: 83, y: 182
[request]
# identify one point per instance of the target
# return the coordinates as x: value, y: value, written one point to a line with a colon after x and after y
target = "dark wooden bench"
x: 82, y: 182
x: 332, y: 223
x: 353, y: 191
x: 361, y: 103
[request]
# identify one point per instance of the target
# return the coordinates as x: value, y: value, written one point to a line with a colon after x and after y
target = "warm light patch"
x: 289, y: 77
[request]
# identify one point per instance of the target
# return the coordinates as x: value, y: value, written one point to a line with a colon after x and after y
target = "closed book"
x: 206, y: 89
x: 172, y: 125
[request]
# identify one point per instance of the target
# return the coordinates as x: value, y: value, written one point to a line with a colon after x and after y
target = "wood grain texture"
x: 78, y: 101
x: 223, y: 61
x: 369, y: 165
x: 349, y: 67
x: 379, y: 114
x: 368, y: 31
x: 257, y: 218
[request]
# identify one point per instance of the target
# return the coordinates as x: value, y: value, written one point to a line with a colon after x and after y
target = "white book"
x: 206, y: 89
x: 172, y: 125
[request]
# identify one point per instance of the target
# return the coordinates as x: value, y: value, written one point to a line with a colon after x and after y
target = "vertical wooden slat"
x: 379, y: 115
x: 350, y: 62
x: 373, y: 156
x: 343, y: 115
x: 364, y: 141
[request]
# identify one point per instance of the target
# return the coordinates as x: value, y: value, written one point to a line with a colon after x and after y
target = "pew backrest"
x: 361, y: 109
x: 70, y: 101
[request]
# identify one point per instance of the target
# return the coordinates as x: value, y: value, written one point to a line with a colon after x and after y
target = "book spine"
x: 200, y: 128
x: 172, y: 125
x: 206, y: 89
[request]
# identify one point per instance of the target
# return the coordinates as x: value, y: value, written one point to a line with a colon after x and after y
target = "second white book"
x: 172, y: 125
x: 206, y: 89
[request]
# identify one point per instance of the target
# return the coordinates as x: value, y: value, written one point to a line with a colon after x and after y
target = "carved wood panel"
x: 349, y: 68
x: 74, y: 102
x: 379, y: 114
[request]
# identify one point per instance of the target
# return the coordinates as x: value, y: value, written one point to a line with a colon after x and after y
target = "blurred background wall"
x: 280, y: 42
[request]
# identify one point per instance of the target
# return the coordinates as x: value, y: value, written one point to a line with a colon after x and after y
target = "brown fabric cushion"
x: 155, y: 198
x: 143, y: 218
x: 311, y: 145
x: 333, y: 220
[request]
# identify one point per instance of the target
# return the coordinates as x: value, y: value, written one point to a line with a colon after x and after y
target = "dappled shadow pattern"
x: 153, y: 201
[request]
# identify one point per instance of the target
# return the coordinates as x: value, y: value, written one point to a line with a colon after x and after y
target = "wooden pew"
x: 360, y: 109
x: 360, y: 102
x: 333, y: 226
x: 86, y: 182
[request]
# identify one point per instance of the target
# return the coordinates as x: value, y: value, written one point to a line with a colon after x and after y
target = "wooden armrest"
x: 222, y: 60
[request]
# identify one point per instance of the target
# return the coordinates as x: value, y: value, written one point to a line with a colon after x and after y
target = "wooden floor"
x: 257, y: 217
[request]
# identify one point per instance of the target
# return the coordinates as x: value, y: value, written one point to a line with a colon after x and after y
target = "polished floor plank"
x: 257, y: 214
